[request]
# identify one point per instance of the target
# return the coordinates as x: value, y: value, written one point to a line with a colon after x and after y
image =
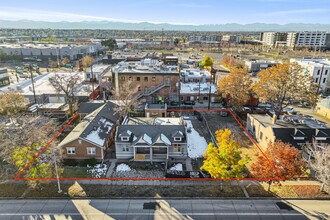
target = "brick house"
x: 92, y: 137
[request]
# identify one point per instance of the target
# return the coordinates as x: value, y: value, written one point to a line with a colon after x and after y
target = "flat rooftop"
x: 291, y: 121
x: 196, y: 88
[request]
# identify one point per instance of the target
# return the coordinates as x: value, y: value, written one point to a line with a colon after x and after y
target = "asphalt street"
x: 159, y: 209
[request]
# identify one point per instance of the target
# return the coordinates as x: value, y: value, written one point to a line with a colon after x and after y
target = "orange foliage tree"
x: 236, y: 86
x: 287, y: 160
x: 283, y: 83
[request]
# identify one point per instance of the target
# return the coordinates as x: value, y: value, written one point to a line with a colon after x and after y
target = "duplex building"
x: 159, y: 140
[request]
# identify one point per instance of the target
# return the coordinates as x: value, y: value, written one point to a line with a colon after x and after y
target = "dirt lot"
x: 216, y: 122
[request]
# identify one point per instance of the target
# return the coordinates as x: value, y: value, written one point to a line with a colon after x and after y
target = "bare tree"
x: 126, y: 98
x: 68, y: 86
x: 320, y: 163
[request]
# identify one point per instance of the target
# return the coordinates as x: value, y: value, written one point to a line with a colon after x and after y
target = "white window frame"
x: 124, y: 138
x: 125, y: 148
x: 177, y: 139
x: 91, y: 150
x: 71, y: 150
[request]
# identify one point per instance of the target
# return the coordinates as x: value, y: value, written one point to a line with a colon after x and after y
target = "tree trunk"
x: 322, y: 187
x: 269, y: 183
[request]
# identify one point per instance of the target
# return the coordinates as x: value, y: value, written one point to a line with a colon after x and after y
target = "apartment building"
x: 319, y: 69
x: 297, y: 130
x: 270, y: 38
x: 311, y: 39
x: 150, y: 78
x: 231, y: 38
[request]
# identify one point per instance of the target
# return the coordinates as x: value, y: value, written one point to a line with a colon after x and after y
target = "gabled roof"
x: 298, y: 133
x: 152, y: 134
x: 283, y: 134
x: 177, y: 134
x: 95, y: 127
x: 320, y: 133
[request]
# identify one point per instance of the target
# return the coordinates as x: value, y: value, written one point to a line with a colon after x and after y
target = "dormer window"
x: 124, y: 138
x: 298, y: 138
x: 320, y: 138
x: 177, y: 139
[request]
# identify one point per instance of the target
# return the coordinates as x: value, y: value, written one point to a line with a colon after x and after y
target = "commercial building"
x: 198, y: 92
x: 255, y: 66
x: 150, y: 78
x: 319, y: 69
x: 195, y: 75
x: 4, y: 77
x: 51, y: 51
x: 230, y: 38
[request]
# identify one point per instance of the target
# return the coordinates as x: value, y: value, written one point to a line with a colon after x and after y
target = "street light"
x: 56, y: 170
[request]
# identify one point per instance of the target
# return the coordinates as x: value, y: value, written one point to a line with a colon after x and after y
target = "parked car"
x: 187, y: 102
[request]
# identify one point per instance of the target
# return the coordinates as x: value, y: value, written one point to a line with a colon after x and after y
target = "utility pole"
x: 209, y: 105
x: 321, y: 78
x: 56, y: 170
x: 92, y: 75
x: 179, y: 86
x: 32, y: 81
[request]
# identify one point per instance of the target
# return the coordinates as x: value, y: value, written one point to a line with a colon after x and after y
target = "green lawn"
x: 75, y: 172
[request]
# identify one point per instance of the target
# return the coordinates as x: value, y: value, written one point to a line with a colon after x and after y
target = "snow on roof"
x: 177, y: 167
x: 147, y: 139
x: 196, y: 88
x: 165, y: 139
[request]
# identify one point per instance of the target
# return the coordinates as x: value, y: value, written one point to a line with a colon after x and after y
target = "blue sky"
x: 170, y: 11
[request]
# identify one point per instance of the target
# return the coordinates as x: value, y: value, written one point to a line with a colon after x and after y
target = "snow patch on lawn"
x: 177, y: 167
x: 123, y: 167
x: 196, y: 144
x: 97, y: 171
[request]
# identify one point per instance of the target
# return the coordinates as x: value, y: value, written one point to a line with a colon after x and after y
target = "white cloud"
x: 51, y: 16
x: 298, y: 11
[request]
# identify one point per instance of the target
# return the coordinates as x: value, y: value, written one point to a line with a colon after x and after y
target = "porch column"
x: 166, y: 152
x: 150, y: 154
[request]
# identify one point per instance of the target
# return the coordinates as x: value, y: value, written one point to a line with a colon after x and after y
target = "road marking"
x: 152, y: 213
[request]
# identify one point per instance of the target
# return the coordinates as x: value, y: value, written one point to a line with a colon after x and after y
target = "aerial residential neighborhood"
x: 146, y: 114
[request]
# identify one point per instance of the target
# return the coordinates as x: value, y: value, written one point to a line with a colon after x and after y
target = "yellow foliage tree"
x: 224, y: 161
x: 87, y: 61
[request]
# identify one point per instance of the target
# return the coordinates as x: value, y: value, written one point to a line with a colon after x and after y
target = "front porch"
x: 150, y: 153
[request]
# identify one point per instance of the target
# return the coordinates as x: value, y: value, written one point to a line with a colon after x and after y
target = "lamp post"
x: 56, y: 170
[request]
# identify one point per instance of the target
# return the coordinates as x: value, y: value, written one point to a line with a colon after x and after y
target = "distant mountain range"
x: 230, y: 27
